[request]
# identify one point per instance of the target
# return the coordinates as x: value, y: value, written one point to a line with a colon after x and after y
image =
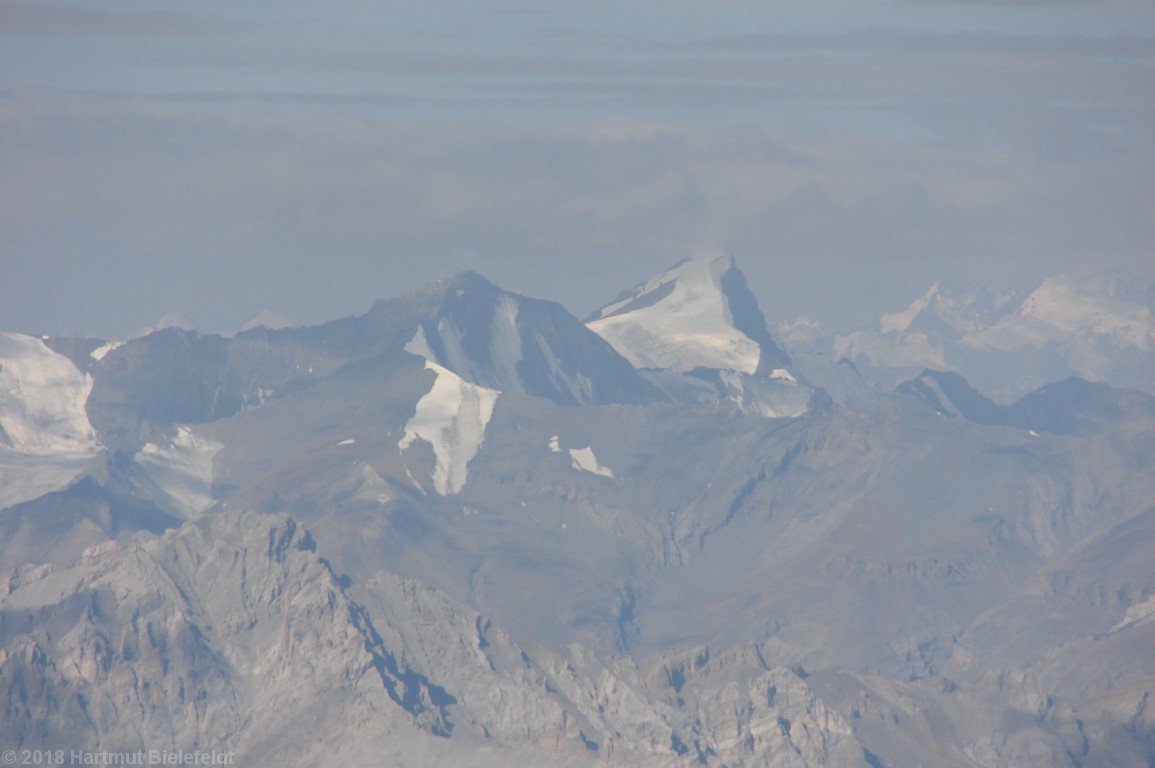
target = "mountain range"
x: 1009, y: 343
x: 465, y: 527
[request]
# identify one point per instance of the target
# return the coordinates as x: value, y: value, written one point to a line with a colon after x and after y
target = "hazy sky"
x: 217, y: 158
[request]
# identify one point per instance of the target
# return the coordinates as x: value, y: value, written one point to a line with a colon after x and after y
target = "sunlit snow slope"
x: 451, y: 417
x: 698, y: 314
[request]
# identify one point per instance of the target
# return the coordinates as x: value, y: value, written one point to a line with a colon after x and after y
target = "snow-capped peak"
x: 172, y: 320
x: 900, y: 321
x: 1010, y: 342
x: 1062, y: 306
x: 697, y: 314
x: 953, y: 308
x: 267, y: 318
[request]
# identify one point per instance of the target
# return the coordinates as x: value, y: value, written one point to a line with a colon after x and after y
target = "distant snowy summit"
x: 1098, y: 311
x: 697, y: 332
x: 268, y: 319
x: 1100, y: 328
x: 697, y: 314
x: 174, y: 319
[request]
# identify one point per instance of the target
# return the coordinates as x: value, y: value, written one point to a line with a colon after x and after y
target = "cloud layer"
x: 184, y: 207
x: 225, y: 158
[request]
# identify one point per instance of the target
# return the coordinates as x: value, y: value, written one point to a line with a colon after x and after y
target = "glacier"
x: 679, y: 320
x: 451, y: 418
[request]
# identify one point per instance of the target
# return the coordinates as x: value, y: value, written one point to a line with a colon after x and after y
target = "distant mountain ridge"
x: 488, y: 336
x: 1069, y: 407
x: 461, y: 529
x: 1008, y: 343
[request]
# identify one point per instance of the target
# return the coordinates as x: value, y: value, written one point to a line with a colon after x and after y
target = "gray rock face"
x: 500, y: 340
x: 232, y: 634
x: 626, y: 568
x: 58, y: 526
x: 228, y: 633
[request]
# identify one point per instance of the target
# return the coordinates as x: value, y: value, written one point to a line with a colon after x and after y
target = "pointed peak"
x: 176, y: 319
x: 950, y: 394
x: 722, y: 260
x: 700, y: 273
x: 900, y: 321
x: 438, y: 292
x: 469, y: 276
x: 718, y: 262
x: 465, y: 282
x: 267, y: 318
x: 697, y: 314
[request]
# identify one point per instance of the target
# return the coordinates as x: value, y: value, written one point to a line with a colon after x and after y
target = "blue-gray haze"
x: 217, y: 158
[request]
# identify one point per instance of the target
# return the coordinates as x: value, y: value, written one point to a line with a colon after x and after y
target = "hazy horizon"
x: 220, y: 159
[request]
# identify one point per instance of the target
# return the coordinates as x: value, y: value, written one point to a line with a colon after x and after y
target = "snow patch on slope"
x: 679, y: 320
x: 504, y: 352
x: 776, y: 397
x: 505, y: 339
x: 451, y: 417
x: 453, y: 341
x: 1140, y: 613
x: 579, y: 385
x: 42, y: 398
x: 944, y: 400
x: 100, y: 352
x: 183, y: 469
x: 584, y: 459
